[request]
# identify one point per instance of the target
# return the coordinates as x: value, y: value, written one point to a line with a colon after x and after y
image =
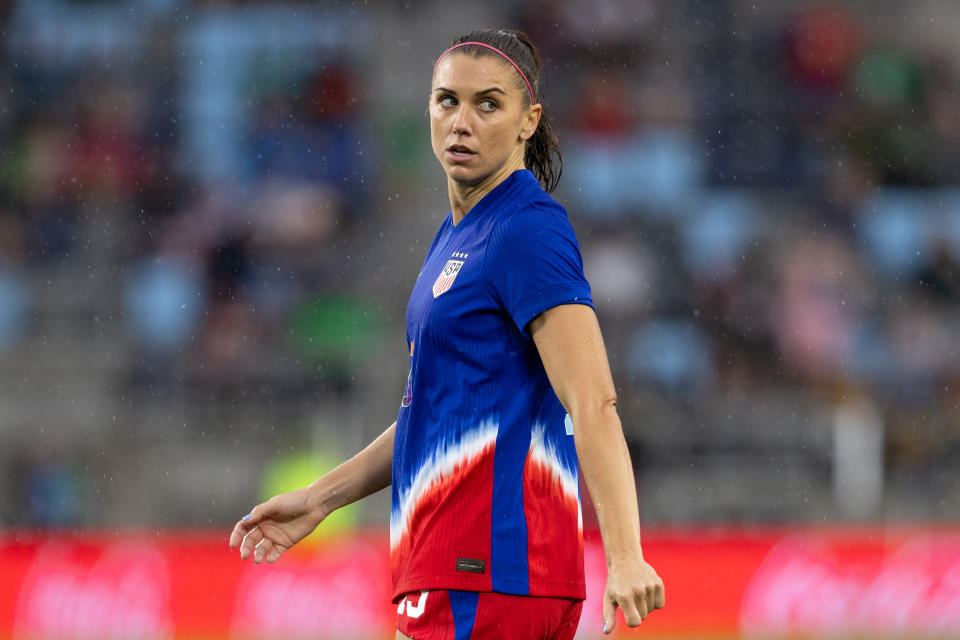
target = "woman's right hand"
x: 276, y: 525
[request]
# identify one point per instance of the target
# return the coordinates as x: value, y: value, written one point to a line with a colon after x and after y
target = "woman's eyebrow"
x: 479, y: 93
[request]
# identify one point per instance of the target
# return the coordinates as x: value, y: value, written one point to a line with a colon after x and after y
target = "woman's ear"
x: 531, y: 120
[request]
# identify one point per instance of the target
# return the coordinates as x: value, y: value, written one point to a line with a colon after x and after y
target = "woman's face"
x: 479, y: 117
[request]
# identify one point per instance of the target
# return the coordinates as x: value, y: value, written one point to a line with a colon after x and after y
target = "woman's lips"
x: 459, y: 153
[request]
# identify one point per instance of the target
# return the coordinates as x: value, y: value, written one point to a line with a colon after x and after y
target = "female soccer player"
x: 509, y: 392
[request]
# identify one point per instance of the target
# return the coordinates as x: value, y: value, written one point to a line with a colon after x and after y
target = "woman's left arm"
x: 571, y: 348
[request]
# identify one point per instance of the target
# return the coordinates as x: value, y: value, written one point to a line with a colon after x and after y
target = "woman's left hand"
x: 635, y: 587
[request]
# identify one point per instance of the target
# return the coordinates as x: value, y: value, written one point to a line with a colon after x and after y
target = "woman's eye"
x: 488, y: 105
x: 448, y: 101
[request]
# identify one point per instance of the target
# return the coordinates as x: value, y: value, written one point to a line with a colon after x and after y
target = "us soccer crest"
x: 447, y: 276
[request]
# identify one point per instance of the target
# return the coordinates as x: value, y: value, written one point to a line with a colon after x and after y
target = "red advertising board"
x: 729, y: 583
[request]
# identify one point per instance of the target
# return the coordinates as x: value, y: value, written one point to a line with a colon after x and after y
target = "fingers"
x: 634, y: 608
x: 642, y: 609
x: 632, y: 604
x: 239, y: 530
x: 267, y: 551
x: 274, y: 554
x: 636, y: 605
x: 243, y: 527
x: 260, y: 552
x: 659, y: 596
x: 249, y: 535
x: 250, y: 542
x: 609, y: 614
x: 262, y: 548
x: 636, y: 589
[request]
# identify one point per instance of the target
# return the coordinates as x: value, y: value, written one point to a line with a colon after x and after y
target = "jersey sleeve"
x: 534, y: 264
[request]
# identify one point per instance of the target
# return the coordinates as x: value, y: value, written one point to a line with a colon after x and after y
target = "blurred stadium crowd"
x: 211, y: 214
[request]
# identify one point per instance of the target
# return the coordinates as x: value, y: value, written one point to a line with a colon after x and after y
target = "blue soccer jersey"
x: 485, y: 479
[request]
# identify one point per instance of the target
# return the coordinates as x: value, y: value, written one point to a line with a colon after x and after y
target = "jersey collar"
x: 519, y: 179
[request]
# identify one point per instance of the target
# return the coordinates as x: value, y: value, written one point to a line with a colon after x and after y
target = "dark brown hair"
x: 542, y: 153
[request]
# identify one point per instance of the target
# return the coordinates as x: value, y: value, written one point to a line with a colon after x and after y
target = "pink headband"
x: 505, y: 57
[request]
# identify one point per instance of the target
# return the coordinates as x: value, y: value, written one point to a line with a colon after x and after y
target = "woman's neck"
x: 464, y: 197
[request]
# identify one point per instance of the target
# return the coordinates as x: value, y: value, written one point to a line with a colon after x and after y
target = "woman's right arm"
x: 277, y: 524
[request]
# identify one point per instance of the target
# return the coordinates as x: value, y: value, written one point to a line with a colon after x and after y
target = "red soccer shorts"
x: 468, y: 615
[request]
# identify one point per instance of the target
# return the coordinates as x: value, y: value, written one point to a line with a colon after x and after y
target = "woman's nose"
x: 461, y: 123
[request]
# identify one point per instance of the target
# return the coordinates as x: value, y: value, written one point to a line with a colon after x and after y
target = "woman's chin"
x: 465, y: 177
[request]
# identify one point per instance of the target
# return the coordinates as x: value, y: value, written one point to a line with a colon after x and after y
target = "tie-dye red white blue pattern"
x: 446, y: 468
x: 485, y: 485
x: 551, y: 496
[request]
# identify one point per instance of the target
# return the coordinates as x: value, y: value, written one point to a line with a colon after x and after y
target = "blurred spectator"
x: 939, y: 276
x: 605, y: 110
x: 49, y: 486
x: 333, y: 332
x: 822, y: 43
x: 924, y: 343
x: 717, y: 232
x: 54, y: 495
x: 817, y: 308
x: 893, y: 225
x: 316, y: 137
x: 165, y: 301
x: 623, y: 277
x: 109, y: 158
x: 14, y: 283
x: 672, y: 353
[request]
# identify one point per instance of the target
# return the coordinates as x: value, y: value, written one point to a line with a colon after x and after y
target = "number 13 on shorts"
x: 413, y: 610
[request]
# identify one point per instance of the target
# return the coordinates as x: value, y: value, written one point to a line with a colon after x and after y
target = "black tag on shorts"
x: 470, y: 565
